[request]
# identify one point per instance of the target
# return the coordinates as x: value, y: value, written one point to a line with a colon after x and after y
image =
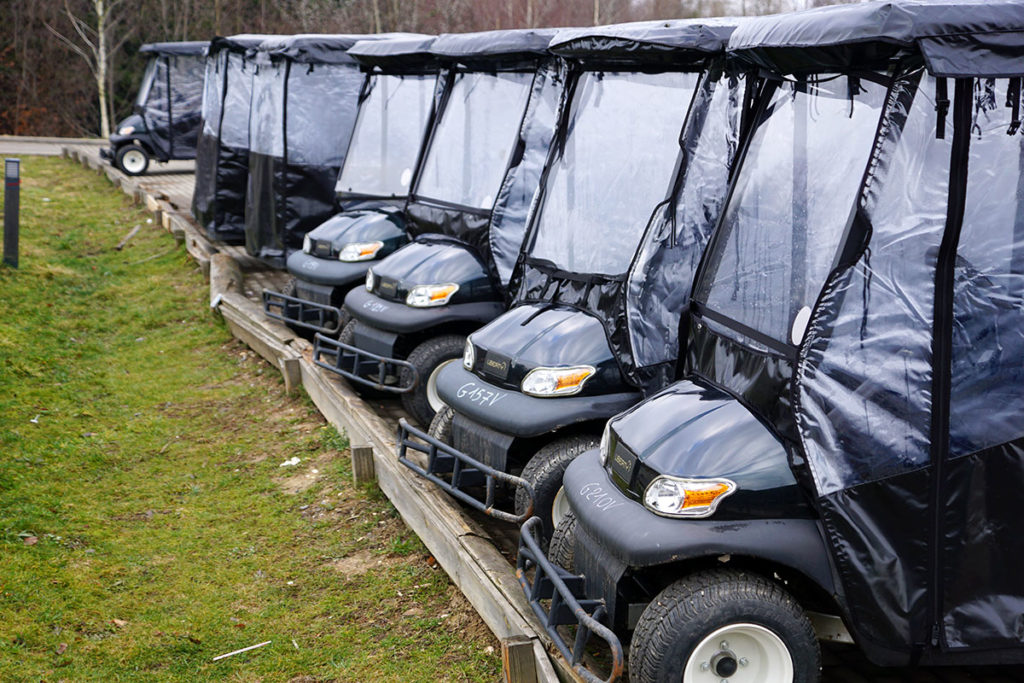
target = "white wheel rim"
x: 756, y: 653
x: 559, y: 507
x: 433, y: 398
x: 133, y: 161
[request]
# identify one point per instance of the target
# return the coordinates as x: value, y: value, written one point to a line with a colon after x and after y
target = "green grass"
x: 140, y: 445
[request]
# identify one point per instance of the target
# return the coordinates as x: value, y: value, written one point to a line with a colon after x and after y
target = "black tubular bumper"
x: 568, y: 605
x: 452, y: 471
x: 301, y: 313
x: 106, y: 153
x: 357, y: 365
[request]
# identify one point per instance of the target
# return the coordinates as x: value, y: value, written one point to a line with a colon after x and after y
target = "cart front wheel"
x: 132, y: 159
x: 724, y: 625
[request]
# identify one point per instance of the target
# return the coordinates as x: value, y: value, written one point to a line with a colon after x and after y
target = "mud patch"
x: 357, y: 563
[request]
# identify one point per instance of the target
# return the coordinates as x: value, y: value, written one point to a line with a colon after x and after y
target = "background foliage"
x: 46, y: 89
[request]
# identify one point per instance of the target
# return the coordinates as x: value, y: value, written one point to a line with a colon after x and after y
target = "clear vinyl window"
x: 266, y: 129
x: 615, y: 165
x: 213, y: 92
x: 473, y: 141
x: 234, y: 129
x: 792, y: 202
x: 387, y: 137
x: 986, y: 399
x: 322, y: 102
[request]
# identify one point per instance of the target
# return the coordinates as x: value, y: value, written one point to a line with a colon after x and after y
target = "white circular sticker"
x: 803, y: 317
x: 406, y: 177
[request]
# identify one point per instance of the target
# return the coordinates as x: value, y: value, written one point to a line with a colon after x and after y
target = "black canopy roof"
x: 192, y: 47
x: 496, y: 46
x: 411, y: 51
x: 956, y: 38
x: 678, y: 40
x: 240, y: 42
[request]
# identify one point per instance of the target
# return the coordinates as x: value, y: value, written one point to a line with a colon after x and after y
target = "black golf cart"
x: 304, y: 103
x: 222, y: 153
x: 395, y: 108
x: 844, y: 456
x: 164, y: 123
x: 467, y: 211
x: 622, y: 220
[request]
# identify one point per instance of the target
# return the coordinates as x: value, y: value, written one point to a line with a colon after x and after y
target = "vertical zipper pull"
x: 936, y: 632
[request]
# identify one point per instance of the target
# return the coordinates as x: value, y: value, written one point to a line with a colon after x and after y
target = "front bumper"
x: 521, y: 415
x: 355, y: 364
x: 324, y: 271
x: 566, y: 605
x: 298, y: 312
x: 454, y: 471
x: 396, y: 317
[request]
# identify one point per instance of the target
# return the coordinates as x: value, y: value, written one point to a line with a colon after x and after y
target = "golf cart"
x: 304, y: 101
x: 844, y: 456
x: 630, y: 196
x: 222, y: 153
x: 395, y: 107
x: 164, y: 123
x: 467, y: 212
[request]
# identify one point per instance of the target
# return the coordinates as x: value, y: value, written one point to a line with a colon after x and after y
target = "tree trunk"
x: 101, y: 66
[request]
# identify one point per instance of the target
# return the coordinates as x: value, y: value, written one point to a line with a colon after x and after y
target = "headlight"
x: 678, y: 497
x: 469, y: 355
x: 307, y: 245
x: 126, y: 130
x: 371, y: 280
x: 556, y: 381
x: 424, y: 296
x: 359, y: 251
x: 605, y: 442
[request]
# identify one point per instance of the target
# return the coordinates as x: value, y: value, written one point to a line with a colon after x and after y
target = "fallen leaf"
x: 195, y: 640
x: 240, y: 625
x: 62, y: 648
x: 120, y: 623
x: 31, y: 540
x: 414, y: 612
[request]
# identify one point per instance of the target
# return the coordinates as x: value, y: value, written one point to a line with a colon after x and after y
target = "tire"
x: 562, y: 550
x: 544, y: 473
x: 348, y: 336
x: 441, y: 425
x: 724, y: 618
x: 428, y: 358
x: 132, y: 159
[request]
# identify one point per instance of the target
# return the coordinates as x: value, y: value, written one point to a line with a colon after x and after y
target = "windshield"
x: 473, y: 141
x: 387, y: 137
x: 793, y: 199
x: 147, y: 83
x: 614, y: 168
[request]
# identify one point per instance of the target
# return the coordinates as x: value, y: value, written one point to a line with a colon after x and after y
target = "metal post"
x: 12, y: 189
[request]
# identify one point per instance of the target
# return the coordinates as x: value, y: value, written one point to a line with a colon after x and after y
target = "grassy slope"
x: 167, y: 532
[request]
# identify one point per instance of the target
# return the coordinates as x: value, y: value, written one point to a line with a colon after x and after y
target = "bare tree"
x: 94, y: 46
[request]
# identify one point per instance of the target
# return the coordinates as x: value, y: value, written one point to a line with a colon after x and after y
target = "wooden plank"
x: 260, y: 335
x: 362, y: 464
x: 517, y: 661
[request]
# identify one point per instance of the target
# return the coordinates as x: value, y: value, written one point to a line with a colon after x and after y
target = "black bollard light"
x: 12, y: 189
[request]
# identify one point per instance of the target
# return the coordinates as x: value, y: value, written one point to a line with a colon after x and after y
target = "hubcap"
x: 133, y: 161
x: 559, y: 507
x: 433, y: 399
x: 740, y: 653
